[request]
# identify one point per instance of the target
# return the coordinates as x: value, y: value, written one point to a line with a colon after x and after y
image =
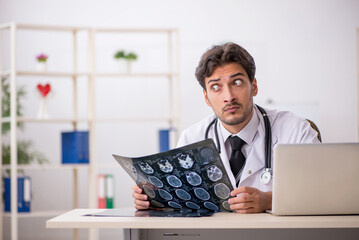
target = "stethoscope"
x: 266, y: 175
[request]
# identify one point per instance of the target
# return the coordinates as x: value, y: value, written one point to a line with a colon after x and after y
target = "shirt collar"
x: 248, y: 133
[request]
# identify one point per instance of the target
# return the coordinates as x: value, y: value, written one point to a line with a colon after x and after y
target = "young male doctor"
x: 227, y: 75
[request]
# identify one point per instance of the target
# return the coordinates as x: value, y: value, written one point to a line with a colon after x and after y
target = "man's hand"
x: 250, y: 200
x: 140, y: 199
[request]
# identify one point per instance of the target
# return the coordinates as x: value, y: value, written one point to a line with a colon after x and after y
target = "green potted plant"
x: 25, y: 152
x: 125, y: 60
x: 120, y: 57
x: 120, y: 54
x: 130, y: 57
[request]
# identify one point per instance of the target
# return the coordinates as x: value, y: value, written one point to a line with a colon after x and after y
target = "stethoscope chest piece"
x: 266, y: 176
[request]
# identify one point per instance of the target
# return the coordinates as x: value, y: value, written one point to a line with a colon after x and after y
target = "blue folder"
x: 75, y: 147
x: 23, y: 194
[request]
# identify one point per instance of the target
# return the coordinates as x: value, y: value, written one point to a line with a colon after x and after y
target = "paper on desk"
x: 191, y: 177
x: 150, y: 213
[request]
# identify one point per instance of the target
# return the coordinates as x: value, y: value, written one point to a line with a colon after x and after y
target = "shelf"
x: 49, y: 120
x: 36, y: 214
x: 85, y: 74
x: 47, y: 166
x: 157, y: 75
x: 71, y: 29
x: 50, y: 74
x: 71, y: 120
x: 50, y: 28
x: 132, y: 30
x: 143, y: 119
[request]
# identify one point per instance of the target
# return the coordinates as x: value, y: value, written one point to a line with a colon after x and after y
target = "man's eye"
x: 215, y: 87
x: 237, y: 82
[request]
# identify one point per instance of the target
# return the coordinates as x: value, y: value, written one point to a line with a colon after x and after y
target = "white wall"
x: 304, y: 50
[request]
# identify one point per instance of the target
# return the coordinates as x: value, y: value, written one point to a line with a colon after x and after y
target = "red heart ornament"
x: 44, y: 90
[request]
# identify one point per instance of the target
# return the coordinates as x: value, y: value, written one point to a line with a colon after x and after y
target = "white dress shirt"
x: 286, y: 128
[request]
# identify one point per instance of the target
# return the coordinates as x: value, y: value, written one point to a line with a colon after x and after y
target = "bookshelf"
x: 91, y: 76
x: 357, y: 68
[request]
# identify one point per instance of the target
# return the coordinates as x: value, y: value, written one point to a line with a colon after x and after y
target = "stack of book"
x: 105, y: 191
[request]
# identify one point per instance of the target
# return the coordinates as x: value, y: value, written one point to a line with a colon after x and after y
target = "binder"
x: 167, y: 139
x: 75, y: 147
x: 101, y: 198
x: 109, y: 191
x: 23, y: 194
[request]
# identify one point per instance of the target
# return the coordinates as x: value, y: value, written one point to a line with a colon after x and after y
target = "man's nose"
x: 229, y: 96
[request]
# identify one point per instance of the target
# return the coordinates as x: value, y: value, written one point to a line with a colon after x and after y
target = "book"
x: 166, y: 139
x: 23, y: 194
x: 75, y: 147
x: 109, y: 187
x: 191, y: 177
x: 101, y: 197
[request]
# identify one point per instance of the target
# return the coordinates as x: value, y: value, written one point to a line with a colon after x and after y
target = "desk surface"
x: 75, y: 219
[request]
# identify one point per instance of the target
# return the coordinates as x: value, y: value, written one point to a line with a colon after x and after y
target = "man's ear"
x: 206, y: 98
x: 254, y: 87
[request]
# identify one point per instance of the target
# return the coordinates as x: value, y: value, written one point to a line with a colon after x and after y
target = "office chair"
x: 312, y: 124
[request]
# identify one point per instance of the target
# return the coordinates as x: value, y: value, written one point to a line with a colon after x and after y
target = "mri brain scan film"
x: 174, y: 181
x: 146, y: 168
x: 165, y: 165
x: 191, y: 177
x: 182, y: 194
x: 165, y: 195
x: 222, y: 191
x: 192, y: 205
x: 185, y: 161
x: 201, y: 193
x: 214, y: 173
x: 155, y: 181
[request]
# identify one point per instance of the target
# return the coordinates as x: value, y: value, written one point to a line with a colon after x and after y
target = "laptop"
x: 316, y: 179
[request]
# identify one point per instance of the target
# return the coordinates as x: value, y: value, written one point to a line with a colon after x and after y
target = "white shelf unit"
x: 13, y: 119
x: 172, y: 74
x: 357, y: 68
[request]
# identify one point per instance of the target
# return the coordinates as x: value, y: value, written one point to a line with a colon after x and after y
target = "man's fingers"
x: 140, y: 199
x: 141, y: 204
x: 139, y: 196
x: 136, y: 189
x: 245, y: 197
x: 244, y: 189
x: 243, y: 205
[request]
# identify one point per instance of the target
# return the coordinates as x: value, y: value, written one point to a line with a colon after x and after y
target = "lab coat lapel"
x: 256, y: 159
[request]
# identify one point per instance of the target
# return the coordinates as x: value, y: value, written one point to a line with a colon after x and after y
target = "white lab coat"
x: 286, y: 128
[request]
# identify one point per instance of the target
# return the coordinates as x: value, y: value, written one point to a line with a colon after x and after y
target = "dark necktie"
x: 237, y: 159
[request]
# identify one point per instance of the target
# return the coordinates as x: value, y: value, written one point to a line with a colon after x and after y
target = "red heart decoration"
x: 44, y: 90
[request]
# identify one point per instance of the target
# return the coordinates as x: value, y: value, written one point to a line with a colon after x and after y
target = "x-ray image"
x: 190, y: 177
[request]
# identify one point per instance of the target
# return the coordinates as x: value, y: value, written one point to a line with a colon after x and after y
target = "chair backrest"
x: 312, y: 124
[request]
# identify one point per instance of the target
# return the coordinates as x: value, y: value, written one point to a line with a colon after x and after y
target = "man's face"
x: 230, y: 94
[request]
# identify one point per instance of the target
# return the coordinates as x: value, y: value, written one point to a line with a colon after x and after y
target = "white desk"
x: 216, y: 227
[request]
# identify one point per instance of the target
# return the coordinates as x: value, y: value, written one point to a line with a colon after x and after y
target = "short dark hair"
x: 219, y: 55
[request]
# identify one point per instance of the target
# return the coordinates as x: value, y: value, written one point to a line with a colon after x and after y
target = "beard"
x: 239, y: 119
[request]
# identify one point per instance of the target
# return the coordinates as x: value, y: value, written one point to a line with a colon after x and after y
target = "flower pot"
x: 124, y: 66
x: 41, y: 67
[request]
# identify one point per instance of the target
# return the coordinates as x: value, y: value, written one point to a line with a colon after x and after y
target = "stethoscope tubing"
x: 268, y: 137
